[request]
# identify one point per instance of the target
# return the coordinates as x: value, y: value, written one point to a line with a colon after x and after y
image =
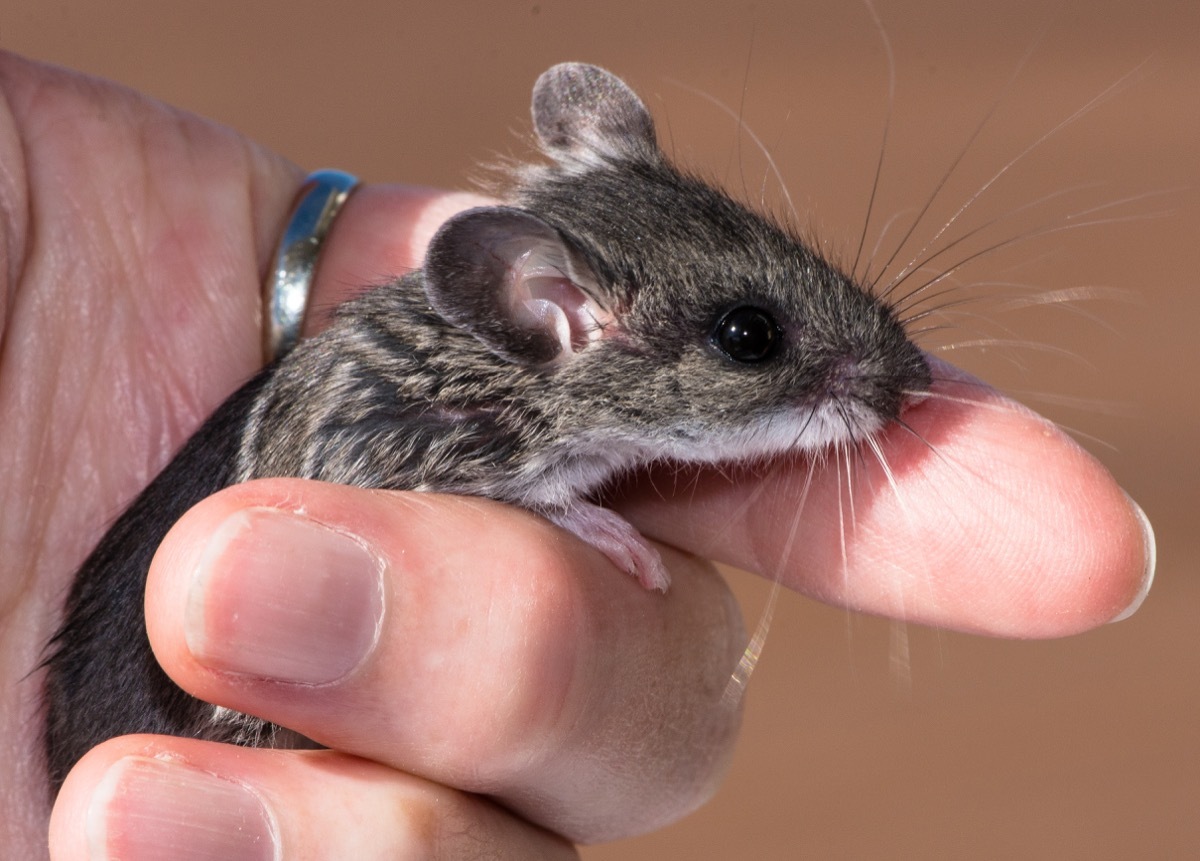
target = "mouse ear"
x: 509, y: 279
x: 581, y: 111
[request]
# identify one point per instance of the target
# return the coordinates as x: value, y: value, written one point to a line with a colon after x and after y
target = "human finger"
x: 465, y: 641
x: 976, y: 515
x: 153, y: 797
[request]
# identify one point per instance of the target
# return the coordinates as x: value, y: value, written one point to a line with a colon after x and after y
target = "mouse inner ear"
x: 508, y: 278
x: 581, y: 112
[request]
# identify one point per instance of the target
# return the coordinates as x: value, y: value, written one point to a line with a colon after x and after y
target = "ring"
x: 285, y: 294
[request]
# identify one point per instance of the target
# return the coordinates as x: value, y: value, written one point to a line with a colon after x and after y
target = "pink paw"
x: 613, y: 536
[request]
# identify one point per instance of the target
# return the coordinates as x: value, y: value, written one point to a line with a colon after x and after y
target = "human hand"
x: 135, y: 240
x: 140, y: 292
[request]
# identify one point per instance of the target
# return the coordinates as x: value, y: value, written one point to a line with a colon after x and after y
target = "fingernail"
x: 279, y: 596
x: 1150, y: 563
x: 151, y: 809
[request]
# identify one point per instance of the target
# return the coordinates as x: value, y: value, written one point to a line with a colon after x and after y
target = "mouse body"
x: 615, y: 312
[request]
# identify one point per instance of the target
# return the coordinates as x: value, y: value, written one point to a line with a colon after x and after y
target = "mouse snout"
x: 881, y: 383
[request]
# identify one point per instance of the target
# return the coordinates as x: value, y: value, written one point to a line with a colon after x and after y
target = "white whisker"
x: 749, y: 132
x: 887, y: 123
x: 1090, y: 105
x: 1038, y: 346
x: 919, y: 263
x: 941, y: 183
x: 735, y: 688
x: 1074, y: 402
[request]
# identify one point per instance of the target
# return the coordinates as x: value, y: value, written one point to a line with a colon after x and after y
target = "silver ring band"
x: 285, y: 294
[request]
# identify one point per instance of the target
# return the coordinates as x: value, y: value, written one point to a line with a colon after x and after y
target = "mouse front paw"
x: 616, y: 538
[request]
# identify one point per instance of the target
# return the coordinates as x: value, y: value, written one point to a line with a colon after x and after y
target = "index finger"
x: 979, y: 516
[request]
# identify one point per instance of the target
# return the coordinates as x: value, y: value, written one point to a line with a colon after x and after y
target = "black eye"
x: 746, y: 334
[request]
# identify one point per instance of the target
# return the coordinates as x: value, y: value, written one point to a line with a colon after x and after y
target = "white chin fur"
x: 794, y: 432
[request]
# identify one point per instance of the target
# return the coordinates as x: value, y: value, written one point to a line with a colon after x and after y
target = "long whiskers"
x: 735, y: 688
x: 1065, y: 223
x: 743, y: 128
x: 887, y: 123
x: 950, y: 170
x: 900, y: 652
x: 1080, y: 112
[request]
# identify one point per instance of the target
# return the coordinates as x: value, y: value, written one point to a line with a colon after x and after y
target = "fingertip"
x: 133, y: 796
x: 155, y: 797
x: 255, y: 568
x: 1079, y: 552
x: 1022, y: 531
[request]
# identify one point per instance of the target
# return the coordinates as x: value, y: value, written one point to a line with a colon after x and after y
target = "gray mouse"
x: 618, y: 312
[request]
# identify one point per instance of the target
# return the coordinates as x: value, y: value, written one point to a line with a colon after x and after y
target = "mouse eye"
x: 746, y: 334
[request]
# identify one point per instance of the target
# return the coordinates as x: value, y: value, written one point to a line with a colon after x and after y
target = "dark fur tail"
x: 103, y: 680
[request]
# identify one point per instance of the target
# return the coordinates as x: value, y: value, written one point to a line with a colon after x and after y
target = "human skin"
x: 133, y: 240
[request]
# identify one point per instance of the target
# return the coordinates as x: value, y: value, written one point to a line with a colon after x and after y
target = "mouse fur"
x: 616, y: 312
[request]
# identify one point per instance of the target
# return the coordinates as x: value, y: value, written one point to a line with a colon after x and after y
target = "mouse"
x: 614, y: 312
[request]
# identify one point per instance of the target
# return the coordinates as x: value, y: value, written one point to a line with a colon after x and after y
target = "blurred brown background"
x: 863, y: 739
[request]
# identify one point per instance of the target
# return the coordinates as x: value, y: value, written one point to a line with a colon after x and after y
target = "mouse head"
x: 654, y: 309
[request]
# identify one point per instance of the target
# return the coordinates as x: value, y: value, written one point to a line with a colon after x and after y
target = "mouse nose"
x: 883, y: 380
